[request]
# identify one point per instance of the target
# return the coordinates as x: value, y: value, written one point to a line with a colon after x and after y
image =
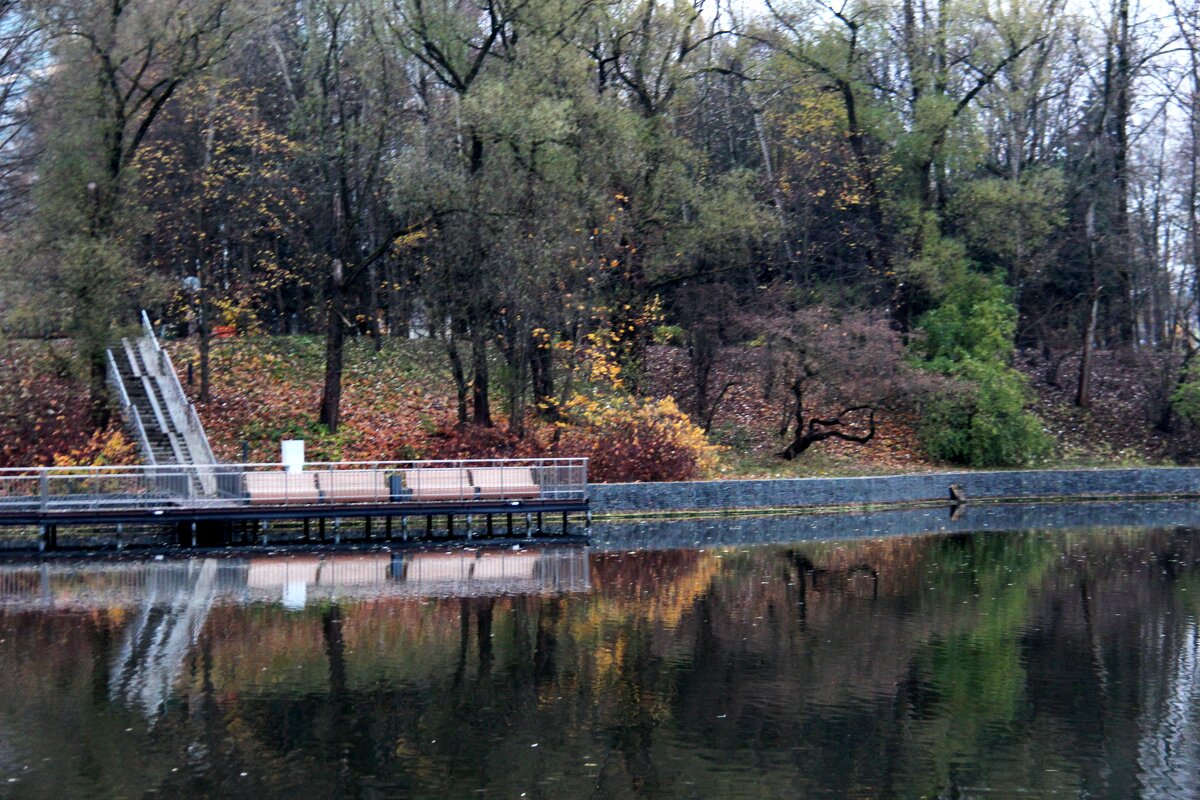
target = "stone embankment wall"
x: 672, y: 532
x: 650, y: 498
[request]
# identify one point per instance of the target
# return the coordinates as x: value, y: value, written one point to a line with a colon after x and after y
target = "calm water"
x: 1058, y: 661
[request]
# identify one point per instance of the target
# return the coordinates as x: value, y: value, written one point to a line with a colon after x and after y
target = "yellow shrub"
x: 628, y: 439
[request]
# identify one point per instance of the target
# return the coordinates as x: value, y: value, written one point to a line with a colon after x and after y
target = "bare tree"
x: 141, y: 52
x: 850, y: 365
x: 20, y: 43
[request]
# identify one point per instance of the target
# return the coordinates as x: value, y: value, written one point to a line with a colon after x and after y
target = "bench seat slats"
x: 505, y: 482
x: 439, y: 483
x: 282, y: 488
x: 353, y: 486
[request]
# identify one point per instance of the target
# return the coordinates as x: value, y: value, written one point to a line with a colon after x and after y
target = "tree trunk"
x: 331, y: 396
x: 703, y: 355
x: 1125, y: 307
x: 1083, y: 395
x: 481, y: 412
x: 100, y: 412
x: 459, y: 374
x: 541, y: 368
x: 203, y: 330
x: 376, y: 308
x: 512, y: 344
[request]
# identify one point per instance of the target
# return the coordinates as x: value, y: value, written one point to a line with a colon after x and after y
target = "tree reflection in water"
x: 1026, y: 662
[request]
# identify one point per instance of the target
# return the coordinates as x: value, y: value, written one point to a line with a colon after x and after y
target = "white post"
x: 292, y: 454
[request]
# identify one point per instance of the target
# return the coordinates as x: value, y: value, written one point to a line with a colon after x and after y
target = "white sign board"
x: 292, y: 455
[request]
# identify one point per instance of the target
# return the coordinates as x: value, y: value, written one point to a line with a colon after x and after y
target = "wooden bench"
x: 502, y: 483
x: 438, y: 483
x: 282, y: 488
x: 353, y: 486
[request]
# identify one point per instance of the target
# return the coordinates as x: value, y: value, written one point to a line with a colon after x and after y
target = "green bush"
x: 1186, y: 399
x: 969, y: 339
x: 673, y: 335
x: 985, y: 425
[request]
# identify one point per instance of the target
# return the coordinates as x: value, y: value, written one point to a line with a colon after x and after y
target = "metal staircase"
x: 157, y: 412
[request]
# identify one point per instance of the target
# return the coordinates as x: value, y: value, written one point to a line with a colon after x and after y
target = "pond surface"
x: 1050, y: 661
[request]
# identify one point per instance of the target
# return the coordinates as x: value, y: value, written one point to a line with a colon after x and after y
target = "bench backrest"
x: 353, y: 485
x: 441, y: 483
x: 282, y: 487
x: 503, y: 477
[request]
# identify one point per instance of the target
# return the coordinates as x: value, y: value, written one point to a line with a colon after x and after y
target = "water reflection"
x: 294, y: 580
x: 1026, y: 663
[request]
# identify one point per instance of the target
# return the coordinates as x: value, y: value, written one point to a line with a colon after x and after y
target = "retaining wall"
x: 666, y: 533
x: 882, y: 490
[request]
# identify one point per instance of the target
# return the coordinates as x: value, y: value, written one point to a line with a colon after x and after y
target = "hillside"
x: 398, y: 404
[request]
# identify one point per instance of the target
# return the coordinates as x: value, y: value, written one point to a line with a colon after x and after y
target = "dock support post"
x: 528, y: 525
x: 429, y: 526
x: 367, y: 528
x: 120, y: 530
x: 337, y: 530
x: 321, y: 529
x: 307, y: 523
x: 468, y: 527
x: 387, y: 528
x: 540, y: 528
x: 509, y: 521
x: 489, y: 526
x: 450, y: 526
x: 193, y: 533
x: 404, y: 528
x: 564, y: 523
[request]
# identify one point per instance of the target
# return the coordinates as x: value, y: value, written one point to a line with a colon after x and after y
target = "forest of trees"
x: 882, y: 200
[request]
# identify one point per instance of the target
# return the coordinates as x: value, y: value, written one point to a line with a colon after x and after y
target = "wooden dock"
x: 229, y: 503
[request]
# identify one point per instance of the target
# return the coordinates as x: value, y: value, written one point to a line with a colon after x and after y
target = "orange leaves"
x: 104, y: 448
x: 45, y: 415
x: 628, y: 439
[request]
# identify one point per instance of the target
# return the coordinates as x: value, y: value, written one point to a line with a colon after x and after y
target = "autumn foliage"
x: 625, y: 439
x: 628, y: 439
x: 44, y: 414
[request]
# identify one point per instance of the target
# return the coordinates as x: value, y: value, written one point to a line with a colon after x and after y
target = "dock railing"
x: 452, y: 483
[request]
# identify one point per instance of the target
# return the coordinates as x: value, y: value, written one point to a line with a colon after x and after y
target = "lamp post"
x: 195, y: 288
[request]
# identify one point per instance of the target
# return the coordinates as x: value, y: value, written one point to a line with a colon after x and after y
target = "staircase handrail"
x: 127, y: 407
x: 147, y: 453
x: 181, y: 410
x: 114, y: 379
x: 191, y: 419
x: 194, y: 420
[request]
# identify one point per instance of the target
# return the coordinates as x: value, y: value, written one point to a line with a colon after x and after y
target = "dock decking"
x: 174, y: 495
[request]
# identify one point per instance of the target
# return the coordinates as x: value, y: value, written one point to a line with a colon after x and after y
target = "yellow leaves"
x: 411, y: 239
x: 633, y: 429
x: 102, y: 449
